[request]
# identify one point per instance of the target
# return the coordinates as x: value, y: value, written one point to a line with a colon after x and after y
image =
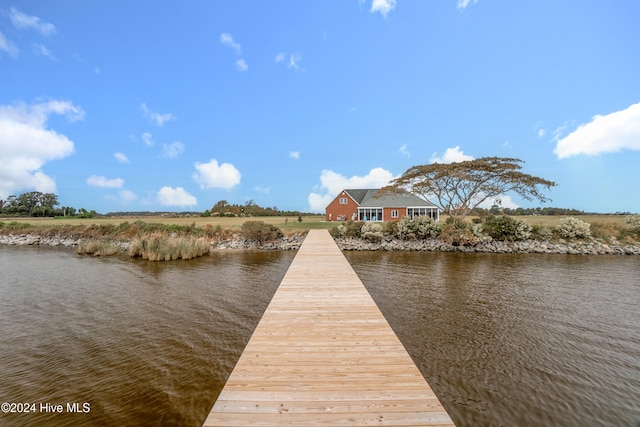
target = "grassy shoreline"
x: 155, y: 239
x: 169, y: 238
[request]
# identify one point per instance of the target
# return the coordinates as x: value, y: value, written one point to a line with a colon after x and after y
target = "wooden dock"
x: 323, y: 354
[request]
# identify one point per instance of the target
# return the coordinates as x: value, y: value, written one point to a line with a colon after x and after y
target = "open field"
x: 553, y: 220
x: 287, y: 224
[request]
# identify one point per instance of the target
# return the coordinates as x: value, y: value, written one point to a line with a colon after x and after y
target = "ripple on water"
x: 524, y: 340
x: 144, y: 343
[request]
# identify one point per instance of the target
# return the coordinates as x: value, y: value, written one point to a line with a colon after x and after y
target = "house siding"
x: 386, y: 214
x: 367, y: 204
x: 335, y: 210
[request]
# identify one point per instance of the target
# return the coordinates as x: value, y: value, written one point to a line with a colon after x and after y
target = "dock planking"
x: 323, y: 354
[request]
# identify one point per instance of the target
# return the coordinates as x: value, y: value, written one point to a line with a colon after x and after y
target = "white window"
x: 394, y: 213
x: 370, y: 214
x: 430, y: 212
x: 343, y: 200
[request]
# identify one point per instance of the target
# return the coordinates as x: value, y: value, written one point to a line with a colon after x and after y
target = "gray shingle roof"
x: 360, y: 195
x: 369, y: 198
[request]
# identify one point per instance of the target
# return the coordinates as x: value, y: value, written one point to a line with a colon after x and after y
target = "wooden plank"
x: 323, y: 354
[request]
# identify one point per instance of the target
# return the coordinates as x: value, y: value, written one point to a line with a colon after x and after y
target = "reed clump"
x: 98, y: 247
x: 161, y: 247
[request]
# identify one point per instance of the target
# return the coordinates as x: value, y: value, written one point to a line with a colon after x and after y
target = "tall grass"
x: 160, y: 247
x: 98, y: 247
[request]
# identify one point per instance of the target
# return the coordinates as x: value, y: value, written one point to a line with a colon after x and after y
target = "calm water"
x: 143, y: 343
x: 517, y: 340
x: 503, y: 340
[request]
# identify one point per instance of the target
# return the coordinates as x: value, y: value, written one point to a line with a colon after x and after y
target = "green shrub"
x: 540, y: 232
x: 353, y: 228
x: 371, y: 231
x: 338, y: 232
x: 504, y: 227
x: 571, y: 228
x: 392, y: 228
x: 459, y: 233
x: 420, y: 227
x: 259, y: 231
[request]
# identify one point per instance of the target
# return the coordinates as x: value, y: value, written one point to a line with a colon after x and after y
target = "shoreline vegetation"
x: 177, y: 239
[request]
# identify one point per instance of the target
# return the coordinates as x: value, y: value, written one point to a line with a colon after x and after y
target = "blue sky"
x: 172, y: 106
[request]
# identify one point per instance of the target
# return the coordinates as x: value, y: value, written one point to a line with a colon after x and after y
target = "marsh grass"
x: 98, y: 247
x: 160, y: 247
x: 611, y: 233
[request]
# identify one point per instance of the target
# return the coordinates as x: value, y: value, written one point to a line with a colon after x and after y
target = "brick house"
x: 374, y: 205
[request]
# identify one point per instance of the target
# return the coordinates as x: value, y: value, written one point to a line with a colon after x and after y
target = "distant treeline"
x: 539, y: 211
x: 250, y: 208
x: 37, y: 204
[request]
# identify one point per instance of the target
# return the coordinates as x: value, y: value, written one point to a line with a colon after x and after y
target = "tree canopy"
x: 35, y: 203
x: 461, y: 186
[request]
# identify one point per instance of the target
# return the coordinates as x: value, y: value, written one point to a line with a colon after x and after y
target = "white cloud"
x: 103, y: 182
x: 121, y: 157
x: 241, y: 65
x: 293, y: 61
x: 42, y: 50
x: 147, y: 138
x: 294, y: 154
x: 541, y: 133
x: 157, y: 118
x: 503, y: 201
x: 26, y: 144
x: 383, y: 6
x: 227, y: 40
x: 451, y: 155
x: 123, y: 196
x: 23, y: 21
x: 462, y: 4
x: 331, y: 183
x: 169, y: 196
x: 404, y: 151
x: 319, y: 202
x: 173, y: 150
x: 212, y: 175
x: 610, y: 133
x: 127, y: 196
x: 7, y: 46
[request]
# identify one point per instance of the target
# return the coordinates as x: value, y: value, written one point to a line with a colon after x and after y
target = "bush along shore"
x: 503, y: 247
x: 155, y: 242
x: 491, y: 234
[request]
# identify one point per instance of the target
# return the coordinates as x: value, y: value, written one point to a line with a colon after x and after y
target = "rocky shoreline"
x: 286, y: 243
x: 587, y: 247
x: 36, y: 240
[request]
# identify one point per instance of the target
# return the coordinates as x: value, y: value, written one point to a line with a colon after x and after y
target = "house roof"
x: 361, y: 195
x: 372, y: 198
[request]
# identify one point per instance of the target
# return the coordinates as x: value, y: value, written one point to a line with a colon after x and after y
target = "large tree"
x: 461, y: 186
x: 33, y: 203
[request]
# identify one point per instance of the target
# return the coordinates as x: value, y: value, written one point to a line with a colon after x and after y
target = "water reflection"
x: 143, y: 343
x: 524, y: 340
x: 517, y: 340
